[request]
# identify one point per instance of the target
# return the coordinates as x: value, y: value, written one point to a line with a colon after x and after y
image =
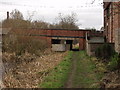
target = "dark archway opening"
x: 74, y: 45
x: 56, y: 41
x: 70, y: 43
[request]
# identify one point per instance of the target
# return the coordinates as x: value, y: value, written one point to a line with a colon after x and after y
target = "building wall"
x: 117, y: 41
x: 58, y: 47
x: 93, y: 44
x: 92, y: 47
x: 112, y: 23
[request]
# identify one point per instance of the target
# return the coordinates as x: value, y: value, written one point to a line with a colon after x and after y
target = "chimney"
x: 7, y: 15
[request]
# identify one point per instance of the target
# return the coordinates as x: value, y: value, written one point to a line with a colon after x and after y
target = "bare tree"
x: 16, y: 21
x: 67, y: 21
x: 16, y: 14
x: 40, y: 24
x: 30, y: 15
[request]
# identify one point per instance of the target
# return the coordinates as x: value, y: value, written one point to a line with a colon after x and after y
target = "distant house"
x: 112, y: 23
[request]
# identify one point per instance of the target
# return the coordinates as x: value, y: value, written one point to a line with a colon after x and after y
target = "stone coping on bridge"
x: 55, y: 29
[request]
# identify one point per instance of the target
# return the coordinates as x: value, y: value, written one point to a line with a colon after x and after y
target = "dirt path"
x: 69, y: 83
x: 82, y: 73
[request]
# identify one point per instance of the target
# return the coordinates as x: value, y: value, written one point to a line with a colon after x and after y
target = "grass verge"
x: 86, y: 75
x: 58, y: 76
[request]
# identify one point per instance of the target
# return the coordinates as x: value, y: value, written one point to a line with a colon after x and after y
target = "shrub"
x: 105, y: 51
x: 114, y: 63
x: 21, y: 44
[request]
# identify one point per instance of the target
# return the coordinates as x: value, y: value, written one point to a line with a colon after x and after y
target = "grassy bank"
x: 87, y: 74
x: 58, y: 76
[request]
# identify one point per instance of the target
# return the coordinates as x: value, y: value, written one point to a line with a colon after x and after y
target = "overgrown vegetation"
x: 66, y: 22
x: 111, y: 60
x: 107, y: 54
x: 27, y: 71
x: 58, y: 76
x: 104, y: 51
x: 114, y: 62
x: 21, y: 44
x: 87, y: 73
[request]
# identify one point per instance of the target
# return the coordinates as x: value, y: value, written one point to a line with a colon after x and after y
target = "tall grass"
x: 107, y: 54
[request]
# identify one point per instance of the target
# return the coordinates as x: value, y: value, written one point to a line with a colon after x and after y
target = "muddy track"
x: 69, y: 83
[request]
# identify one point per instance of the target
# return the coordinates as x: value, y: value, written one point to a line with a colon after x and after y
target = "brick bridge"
x: 59, y: 36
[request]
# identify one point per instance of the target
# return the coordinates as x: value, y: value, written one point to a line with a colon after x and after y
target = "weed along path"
x: 82, y: 74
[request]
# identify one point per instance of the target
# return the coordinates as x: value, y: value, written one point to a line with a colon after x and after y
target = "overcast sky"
x: 89, y: 12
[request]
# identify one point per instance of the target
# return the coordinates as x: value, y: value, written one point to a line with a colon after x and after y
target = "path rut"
x: 69, y: 83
